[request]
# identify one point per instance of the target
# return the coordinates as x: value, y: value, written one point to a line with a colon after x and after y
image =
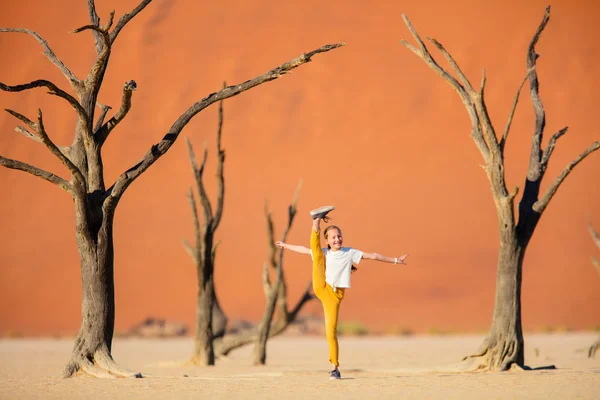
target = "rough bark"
x: 95, y: 204
x: 503, y: 347
x: 272, y: 291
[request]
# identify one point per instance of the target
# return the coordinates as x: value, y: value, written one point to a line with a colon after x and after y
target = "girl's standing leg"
x: 331, y: 310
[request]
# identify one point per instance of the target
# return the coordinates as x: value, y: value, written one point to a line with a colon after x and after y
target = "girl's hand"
x: 281, y: 244
x: 402, y: 258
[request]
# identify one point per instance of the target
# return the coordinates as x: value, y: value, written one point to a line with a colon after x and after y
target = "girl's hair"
x: 327, y: 231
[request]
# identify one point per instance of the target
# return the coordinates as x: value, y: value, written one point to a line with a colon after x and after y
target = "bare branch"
x: 477, y: 98
x: 56, y: 151
x: 126, y: 18
x: 540, y: 205
x: 594, y: 234
x: 306, y: 297
x: 104, y: 110
x: 52, y: 89
x: 159, y: 149
x: 282, y: 295
x: 22, y: 118
x: 550, y: 148
x: 266, y: 280
x: 43, y: 137
x: 513, y: 194
x: 220, y: 163
x: 48, y: 53
x: 190, y: 250
x: 26, y: 133
x: 102, y: 133
x: 35, y: 171
x: 512, y: 112
x: 489, y: 133
x: 423, y: 53
x: 270, y: 237
x: 198, y: 253
x: 95, y: 20
x: 463, y: 79
x: 93, y: 78
x: 540, y: 115
x: 198, y: 175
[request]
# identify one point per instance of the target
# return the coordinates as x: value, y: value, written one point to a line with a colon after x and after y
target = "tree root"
x: 492, y: 355
x: 100, y: 365
x: 593, y: 348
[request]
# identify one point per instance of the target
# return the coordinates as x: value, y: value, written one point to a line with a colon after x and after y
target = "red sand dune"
x: 369, y: 128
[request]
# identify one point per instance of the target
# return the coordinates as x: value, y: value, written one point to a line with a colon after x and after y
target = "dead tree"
x: 95, y: 204
x: 275, y: 299
x: 504, y: 344
x: 272, y: 290
x: 596, y: 345
x: 203, y: 253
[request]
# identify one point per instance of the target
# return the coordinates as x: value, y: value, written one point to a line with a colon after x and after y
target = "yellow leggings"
x: 330, y: 299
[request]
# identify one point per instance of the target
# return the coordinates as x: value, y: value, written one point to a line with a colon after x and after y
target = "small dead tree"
x: 272, y: 291
x: 94, y: 203
x: 203, y: 253
x: 596, y: 345
x: 283, y: 316
x: 504, y: 344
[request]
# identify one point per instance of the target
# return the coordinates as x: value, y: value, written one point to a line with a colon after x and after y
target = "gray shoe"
x: 321, y: 212
x: 335, y: 374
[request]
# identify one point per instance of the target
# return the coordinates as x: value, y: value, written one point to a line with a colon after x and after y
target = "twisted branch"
x: 534, y: 171
x: 103, y: 132
x: 52, y: 89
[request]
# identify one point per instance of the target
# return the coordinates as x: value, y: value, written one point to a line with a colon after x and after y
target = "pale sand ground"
x: 372, y: 367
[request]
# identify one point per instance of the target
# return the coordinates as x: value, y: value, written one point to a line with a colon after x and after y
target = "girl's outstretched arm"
x: 297, y: 249
x: 379, y: 257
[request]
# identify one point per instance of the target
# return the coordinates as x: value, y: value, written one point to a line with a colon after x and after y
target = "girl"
x: 331, y: 273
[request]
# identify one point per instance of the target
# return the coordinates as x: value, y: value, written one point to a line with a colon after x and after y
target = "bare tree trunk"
x: 504, y: 344
x: 203, y: 342
x: 92, y: 349
x: 264, y: 326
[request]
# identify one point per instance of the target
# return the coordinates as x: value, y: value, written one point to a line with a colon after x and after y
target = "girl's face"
x: 334, y: 238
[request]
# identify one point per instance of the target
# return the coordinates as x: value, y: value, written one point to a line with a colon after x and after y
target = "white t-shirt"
x: 338, y: 265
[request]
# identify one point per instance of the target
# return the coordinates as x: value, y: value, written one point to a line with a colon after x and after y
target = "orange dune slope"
x: 368, y: 128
